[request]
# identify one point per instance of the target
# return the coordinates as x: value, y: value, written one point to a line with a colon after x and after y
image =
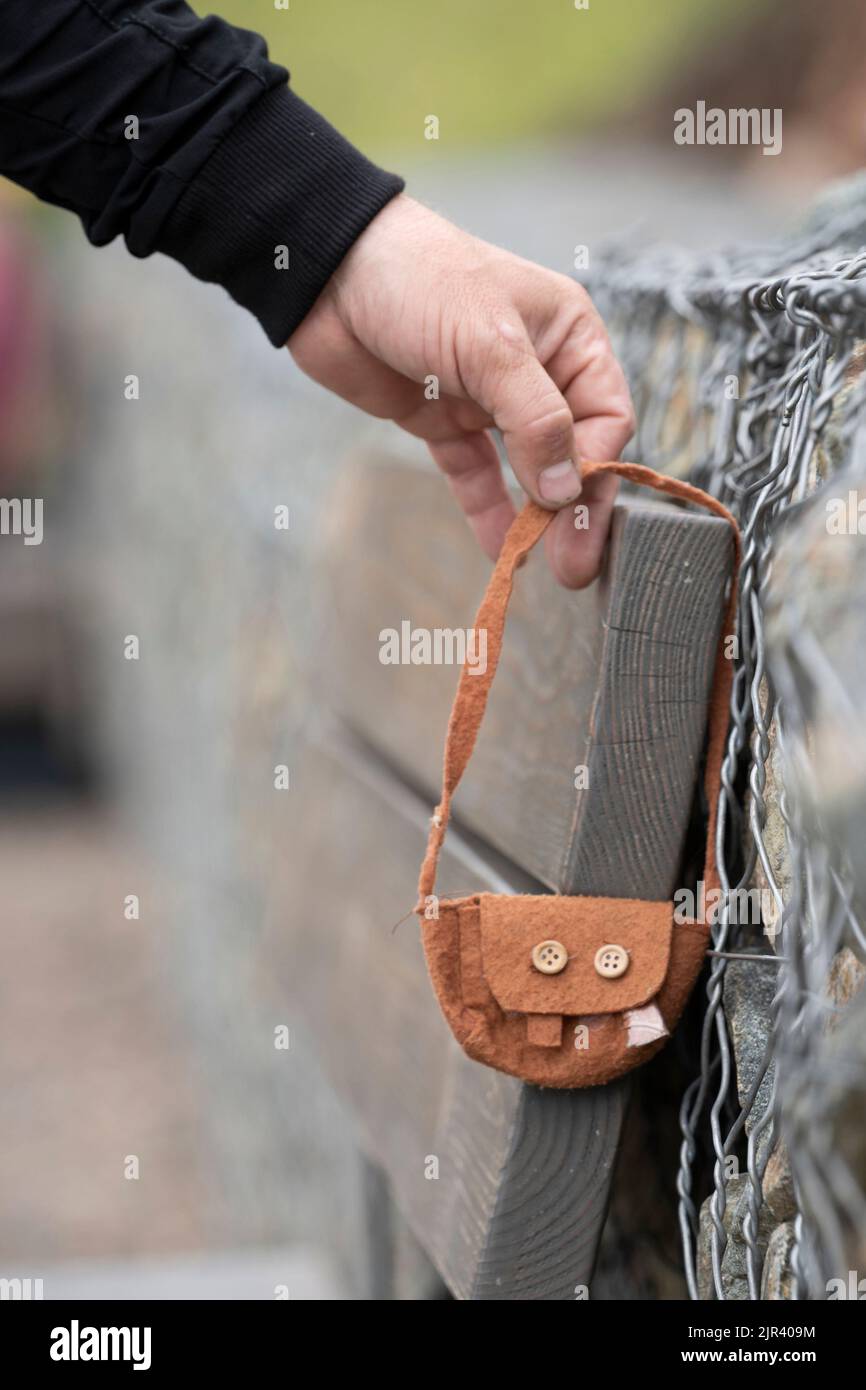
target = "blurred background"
x: 154, y: 1138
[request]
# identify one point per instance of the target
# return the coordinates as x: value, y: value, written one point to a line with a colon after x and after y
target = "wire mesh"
x: 746, y: 373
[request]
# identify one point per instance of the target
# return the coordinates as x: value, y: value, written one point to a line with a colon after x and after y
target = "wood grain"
x: 553, y: 1195
x: 616, y: 679
x: 523, y: 1174
x: 613, y: 679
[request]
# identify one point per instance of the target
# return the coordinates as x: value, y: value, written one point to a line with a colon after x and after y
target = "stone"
x: 778, y: 1185
x: 844, y: 981
x: 774, y: 837
x: 734, y: 1264
x: 748, y: 995
x: 778, y: 1282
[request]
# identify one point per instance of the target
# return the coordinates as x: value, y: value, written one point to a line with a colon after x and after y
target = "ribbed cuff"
x: 275, y: 209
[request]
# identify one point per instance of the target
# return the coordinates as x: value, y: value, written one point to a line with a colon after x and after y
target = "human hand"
x: 512, y: 345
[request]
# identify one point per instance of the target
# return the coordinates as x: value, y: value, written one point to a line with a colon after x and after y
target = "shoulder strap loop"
x: 470, y: 701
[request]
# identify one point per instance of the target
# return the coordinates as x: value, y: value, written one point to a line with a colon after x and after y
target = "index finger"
x: 471, y: 464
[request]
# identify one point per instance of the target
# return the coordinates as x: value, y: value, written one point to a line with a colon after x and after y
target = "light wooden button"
x: 611, y: 961
x: 549, y: 957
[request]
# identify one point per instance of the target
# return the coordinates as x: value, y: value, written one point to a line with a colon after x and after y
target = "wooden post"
x: 582, y: 782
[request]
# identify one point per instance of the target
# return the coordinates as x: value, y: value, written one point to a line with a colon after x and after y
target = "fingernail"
x: 560, y: 482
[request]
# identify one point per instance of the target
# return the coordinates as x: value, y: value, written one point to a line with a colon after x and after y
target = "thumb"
x: 533, y: 416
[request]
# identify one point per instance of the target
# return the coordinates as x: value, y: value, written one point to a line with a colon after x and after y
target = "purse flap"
x: 592, y: 980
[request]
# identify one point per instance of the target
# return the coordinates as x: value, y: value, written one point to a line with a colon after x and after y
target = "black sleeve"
x: 226, y: 164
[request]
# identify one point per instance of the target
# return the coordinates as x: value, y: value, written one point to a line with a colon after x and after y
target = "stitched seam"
x: 151, y: 28
x: 105, y: 143
x: 109, y: 23
x: 58, y: 125
x: 193, y: 67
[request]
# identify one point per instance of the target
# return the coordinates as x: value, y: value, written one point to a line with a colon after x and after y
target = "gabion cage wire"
x: 738, y: 362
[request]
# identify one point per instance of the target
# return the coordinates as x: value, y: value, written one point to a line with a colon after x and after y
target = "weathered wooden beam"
x: 504, y: 1185
x: 614, y: 680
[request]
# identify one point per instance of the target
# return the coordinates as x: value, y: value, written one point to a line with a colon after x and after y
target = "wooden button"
x: 611, y: 961
x: 549, y: 957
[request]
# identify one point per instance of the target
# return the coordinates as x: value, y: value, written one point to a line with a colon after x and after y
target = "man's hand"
x: 511, y: 344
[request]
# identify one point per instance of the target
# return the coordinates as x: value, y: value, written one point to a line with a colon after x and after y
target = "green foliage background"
x: 491, y: 70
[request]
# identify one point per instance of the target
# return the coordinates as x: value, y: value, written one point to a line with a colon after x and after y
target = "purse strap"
x: 470, y: 701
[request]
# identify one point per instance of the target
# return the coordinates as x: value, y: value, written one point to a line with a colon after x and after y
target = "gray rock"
x: 748, y: 996
x: 735, y: 1257
x: 778, y: 1282
x: 779, y: 1185
x: 844, y: 981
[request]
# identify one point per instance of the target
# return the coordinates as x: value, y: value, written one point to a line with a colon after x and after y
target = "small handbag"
x: 563, y: 990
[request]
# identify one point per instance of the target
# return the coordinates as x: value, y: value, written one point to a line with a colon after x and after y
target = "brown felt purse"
x: 562, y: 990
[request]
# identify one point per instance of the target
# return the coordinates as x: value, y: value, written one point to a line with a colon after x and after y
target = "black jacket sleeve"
x: 179, y: 134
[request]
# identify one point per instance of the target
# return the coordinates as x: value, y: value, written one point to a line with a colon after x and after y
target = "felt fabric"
x: 544, y: 1030
x: 510, y: 927
x: 570, y: 1029
x: 588, y: 1049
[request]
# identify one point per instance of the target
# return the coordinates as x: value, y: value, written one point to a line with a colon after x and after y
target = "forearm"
x: 219, y: 166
